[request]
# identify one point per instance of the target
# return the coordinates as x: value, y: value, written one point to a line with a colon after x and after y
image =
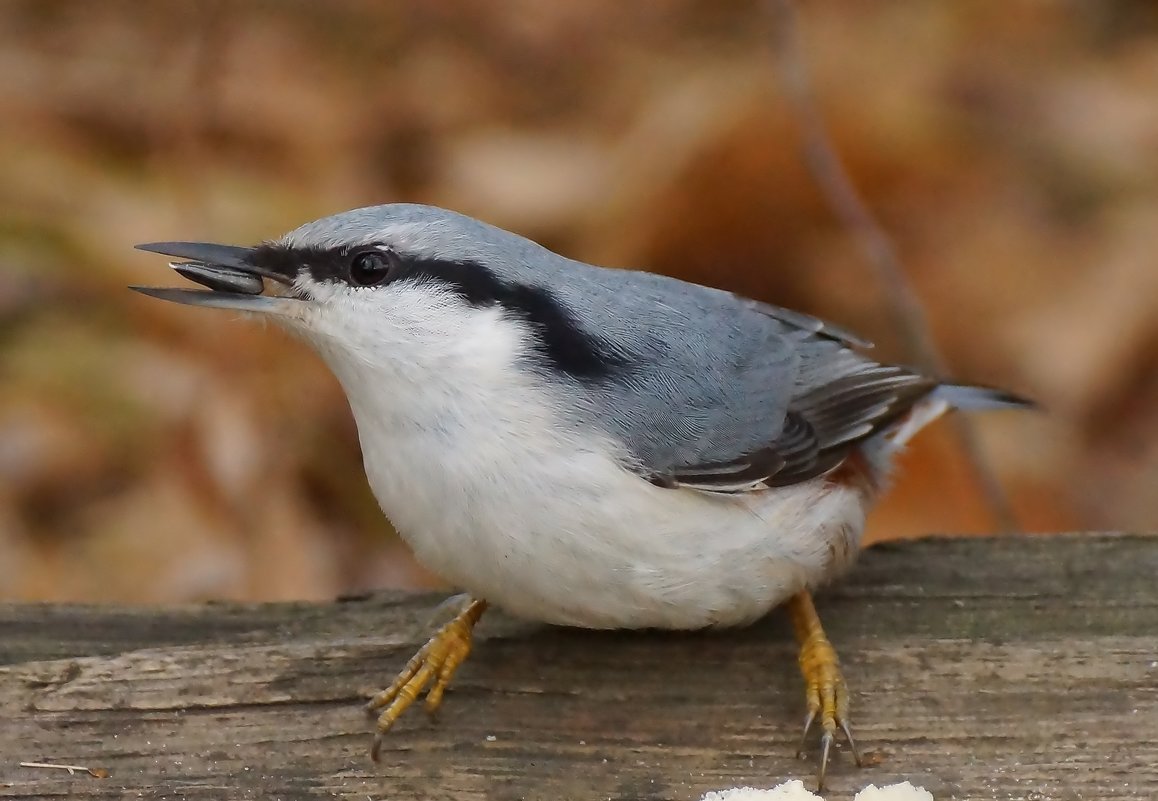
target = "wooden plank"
x: 1014, y: 669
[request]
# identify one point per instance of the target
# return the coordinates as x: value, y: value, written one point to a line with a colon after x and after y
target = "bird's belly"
x: 580, y: 541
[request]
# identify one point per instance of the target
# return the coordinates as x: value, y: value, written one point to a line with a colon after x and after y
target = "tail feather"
x: 966, y: 397
x: 946, y: 397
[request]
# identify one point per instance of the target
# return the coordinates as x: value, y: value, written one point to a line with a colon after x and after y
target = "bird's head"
x: 399, y: 286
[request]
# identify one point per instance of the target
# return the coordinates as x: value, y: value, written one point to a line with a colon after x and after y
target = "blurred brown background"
x: 150, y: 452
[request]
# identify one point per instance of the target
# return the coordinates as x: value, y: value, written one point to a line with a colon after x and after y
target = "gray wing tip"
x: 813, y: 325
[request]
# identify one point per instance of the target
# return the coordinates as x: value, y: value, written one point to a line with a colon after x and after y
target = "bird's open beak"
x: 234, y: 282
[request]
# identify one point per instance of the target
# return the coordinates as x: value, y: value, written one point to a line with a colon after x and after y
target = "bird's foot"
x: 825, y: 690
x: 437, y: 661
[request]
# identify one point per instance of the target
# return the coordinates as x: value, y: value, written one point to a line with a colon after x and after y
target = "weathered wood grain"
x: 982, y: 669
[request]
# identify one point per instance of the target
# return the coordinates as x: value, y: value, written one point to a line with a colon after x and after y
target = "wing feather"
x: 821, y: 428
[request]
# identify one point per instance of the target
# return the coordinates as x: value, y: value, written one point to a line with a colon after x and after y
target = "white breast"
x: 495, y: 493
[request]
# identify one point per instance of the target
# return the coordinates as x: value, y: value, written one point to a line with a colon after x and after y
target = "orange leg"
x: 437, y: 661
x: 825, y: 690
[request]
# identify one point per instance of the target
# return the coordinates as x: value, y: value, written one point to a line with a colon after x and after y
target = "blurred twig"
x: 904, y: 306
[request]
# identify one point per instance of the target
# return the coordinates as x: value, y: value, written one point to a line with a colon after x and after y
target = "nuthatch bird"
x: 585, y: 446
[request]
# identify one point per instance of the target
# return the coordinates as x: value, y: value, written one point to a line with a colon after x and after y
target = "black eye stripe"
x: 322, y: 264
x: 559, y: 339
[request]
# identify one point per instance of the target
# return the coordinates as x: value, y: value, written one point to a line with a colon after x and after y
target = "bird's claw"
x: 826, y: 693
x: 435, y: 662
x: 827, y: 741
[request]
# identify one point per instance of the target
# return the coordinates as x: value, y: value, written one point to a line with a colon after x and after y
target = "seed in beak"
x: 220, y: 278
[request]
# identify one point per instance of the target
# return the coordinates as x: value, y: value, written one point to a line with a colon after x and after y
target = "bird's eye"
x: 371, y: 267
